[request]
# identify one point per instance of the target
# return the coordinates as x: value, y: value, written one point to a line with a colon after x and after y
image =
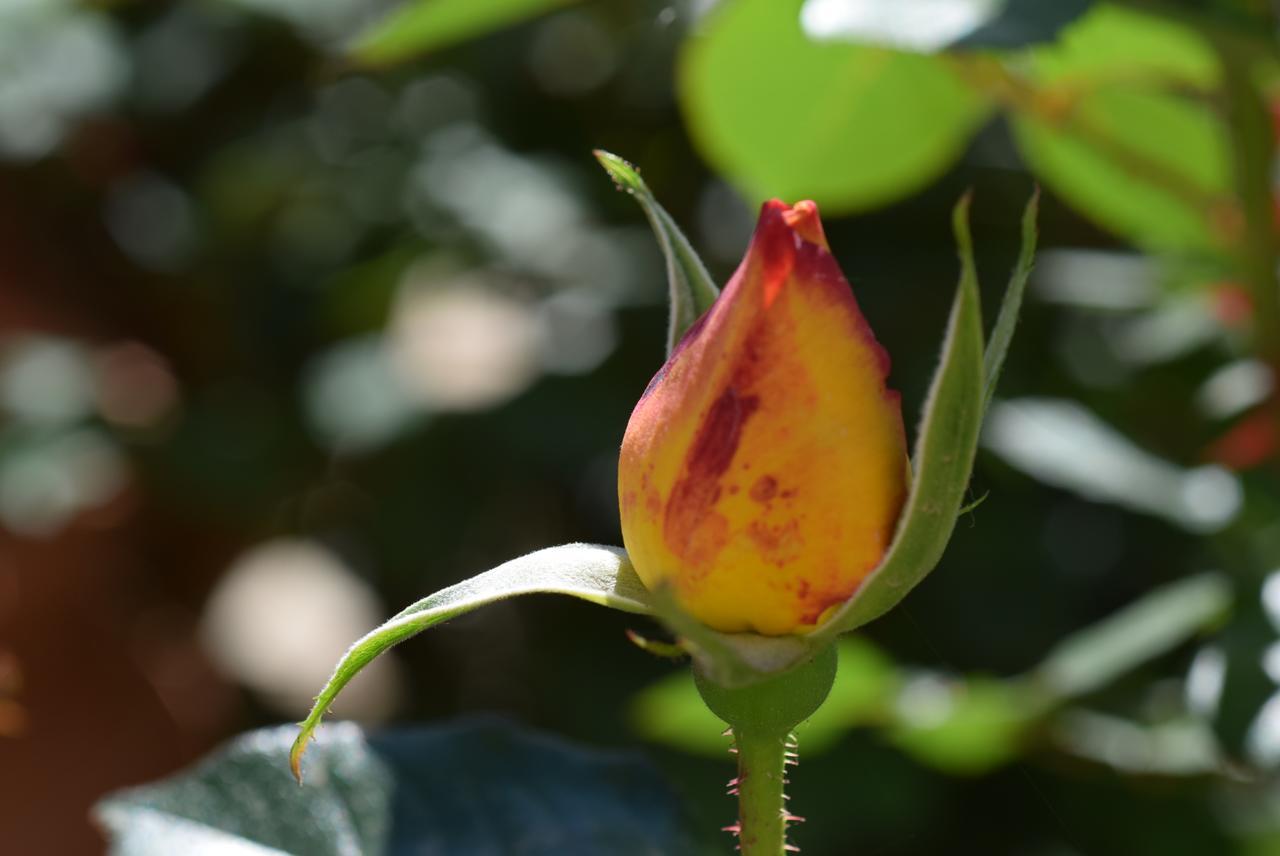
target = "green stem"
x: 1252, y: 149
x: 762, y: 814
x: 762, y: 716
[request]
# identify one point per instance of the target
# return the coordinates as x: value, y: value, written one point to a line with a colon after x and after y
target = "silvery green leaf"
x: 590, y: 572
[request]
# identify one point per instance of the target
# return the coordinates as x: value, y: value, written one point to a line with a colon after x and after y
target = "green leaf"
x: 476, y: 787
x: 943, y: 459
x: 591, y: 572
x: 419, y: 26
x: 932, y: 25
x: 1011, y: 305
x: 1234, y: 684
x: 1154, y: 625
x: 849, y: 126
x: 691, y: 289
x: 1060, y: 443
x: 1105, y: 104
x: 1178, y: 747
x: 963, y: 727
x: 670, y: 712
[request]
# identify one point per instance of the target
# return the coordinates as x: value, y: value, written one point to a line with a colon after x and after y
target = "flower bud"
x: 764, y: 468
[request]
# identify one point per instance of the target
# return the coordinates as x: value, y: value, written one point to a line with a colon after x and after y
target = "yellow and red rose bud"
x: 764, y: 469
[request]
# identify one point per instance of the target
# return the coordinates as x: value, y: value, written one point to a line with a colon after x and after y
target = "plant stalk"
x: 762, y: 813
x: 762, y: 717
x: 1253, y: 149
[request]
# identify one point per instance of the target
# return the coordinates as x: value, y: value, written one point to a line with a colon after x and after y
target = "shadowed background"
x: 288, y: 341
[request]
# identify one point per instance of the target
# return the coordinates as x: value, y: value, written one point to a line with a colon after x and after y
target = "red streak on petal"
x: 696, y: 492
x: 778, y: 543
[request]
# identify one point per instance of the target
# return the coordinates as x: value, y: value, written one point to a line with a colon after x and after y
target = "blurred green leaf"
x: 670, y: 712
x: 1180, y: 747
x: 1154, y: 625
x: 943, y: 458
x: 1107, y: 101
x: 965, y: 727
x: 480, y: 787
x: 932, y: 25
x: 969, y: 725
x: 420, y: 26
x: 591, y: 572
x: 867, y: 682
x: 691, y: 290
x: 1061, y: 443
x: 849, y: 126
x: 1245, y: 710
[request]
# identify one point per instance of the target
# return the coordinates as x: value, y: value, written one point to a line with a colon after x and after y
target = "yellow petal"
x: 763, y: 470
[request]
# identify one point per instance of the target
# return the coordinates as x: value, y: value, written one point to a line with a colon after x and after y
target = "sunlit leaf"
x: 849, y: 126
x: 593, y: 573
x: 1107, y: 101
x: 420, y: 26
x: 479, y: 787
x: 932, y: 25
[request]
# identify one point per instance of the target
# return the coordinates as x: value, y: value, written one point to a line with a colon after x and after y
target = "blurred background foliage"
x: 311, y: 307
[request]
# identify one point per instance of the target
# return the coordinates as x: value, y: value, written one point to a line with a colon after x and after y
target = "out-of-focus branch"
x: 1252, y: 141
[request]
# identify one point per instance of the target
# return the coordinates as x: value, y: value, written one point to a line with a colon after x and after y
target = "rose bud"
x: 763, y: 470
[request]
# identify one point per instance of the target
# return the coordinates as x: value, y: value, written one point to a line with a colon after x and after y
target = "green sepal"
x: 1160, y: 621
x: 776, y: 705
x: 691, y: 289
x: 1011, y: 305
x: 729, y: 659
x: 943, y: 460
x: 591, y: 572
